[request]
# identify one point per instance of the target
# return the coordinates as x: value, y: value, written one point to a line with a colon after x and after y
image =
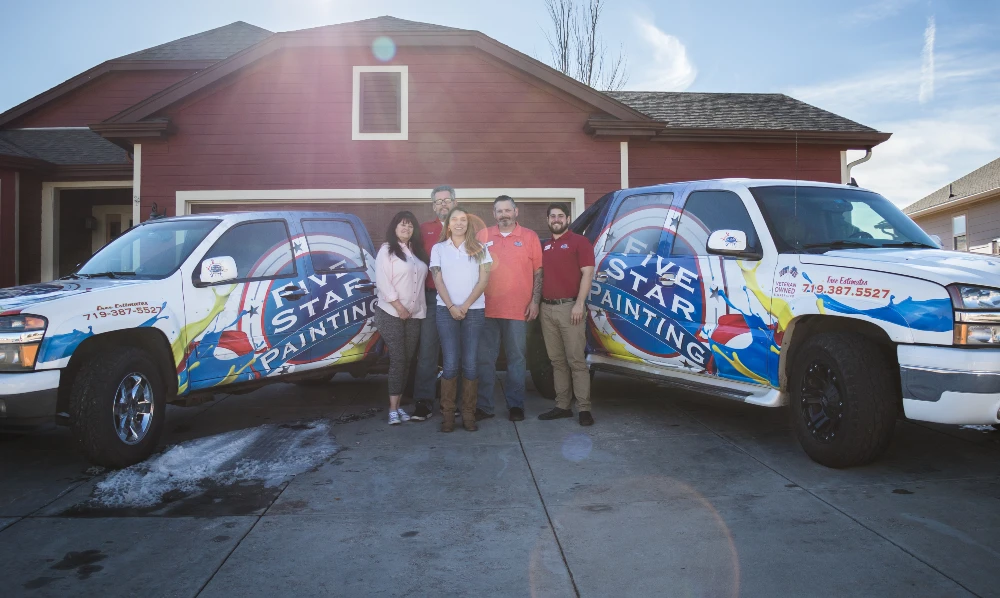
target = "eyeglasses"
x: 441, y: 202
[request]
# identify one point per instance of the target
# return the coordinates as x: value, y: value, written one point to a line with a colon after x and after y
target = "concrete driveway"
x: 669, y: 494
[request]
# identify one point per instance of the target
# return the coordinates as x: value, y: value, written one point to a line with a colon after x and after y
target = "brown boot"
x: 448, y: 388
x: 470, y: 390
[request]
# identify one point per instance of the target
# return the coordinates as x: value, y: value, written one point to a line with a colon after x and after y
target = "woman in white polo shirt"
x: 460, y: 266
x: 400, y: 271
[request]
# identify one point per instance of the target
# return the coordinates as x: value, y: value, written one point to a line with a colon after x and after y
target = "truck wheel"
x: 542, y: 378
x: 117, y: 407
x: 843, y: 408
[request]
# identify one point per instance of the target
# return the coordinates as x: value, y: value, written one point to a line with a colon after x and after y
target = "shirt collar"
x: 495, y: 231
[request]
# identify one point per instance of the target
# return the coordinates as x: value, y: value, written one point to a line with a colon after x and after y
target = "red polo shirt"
x: 562, y: 259
x: 515, y: 259
x: 430, y: 233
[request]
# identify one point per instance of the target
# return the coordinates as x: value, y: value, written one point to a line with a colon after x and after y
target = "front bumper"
x: 28, y: 398
x: 948, y: 385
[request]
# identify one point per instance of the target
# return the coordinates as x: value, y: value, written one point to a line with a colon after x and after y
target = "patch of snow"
x: 986, y: 428
x: 271, y: 453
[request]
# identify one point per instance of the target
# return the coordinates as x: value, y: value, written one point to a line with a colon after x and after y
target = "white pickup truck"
x: 177, y: 309
x: 822, y: 297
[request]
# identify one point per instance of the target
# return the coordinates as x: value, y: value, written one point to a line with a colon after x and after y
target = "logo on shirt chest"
x: 517, y: 243
x: 564, y: 246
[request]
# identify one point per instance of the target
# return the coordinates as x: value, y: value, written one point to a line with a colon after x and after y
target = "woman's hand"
x: 401, y: 311
x: 457, y: 312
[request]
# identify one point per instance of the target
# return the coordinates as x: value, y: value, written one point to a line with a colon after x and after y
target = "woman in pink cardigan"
x: 400, y: 270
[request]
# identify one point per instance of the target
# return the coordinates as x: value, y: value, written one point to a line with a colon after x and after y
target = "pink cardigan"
x: 402, y: 280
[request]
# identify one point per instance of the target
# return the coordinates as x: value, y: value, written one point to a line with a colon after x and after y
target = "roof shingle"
x: 985, y: 178
x: 767, y: 111
x: 214, y: 44
x: 61, y: 146
x: 385, y: 24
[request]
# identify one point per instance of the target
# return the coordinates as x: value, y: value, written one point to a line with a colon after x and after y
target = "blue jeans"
x: 514, y: 334
x: 459, y: 342
x: 427, y: 355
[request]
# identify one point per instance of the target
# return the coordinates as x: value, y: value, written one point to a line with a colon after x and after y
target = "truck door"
x: 726, y: 313
x: 628, y: 306
x: 237, y: 327
x: 337, y: 324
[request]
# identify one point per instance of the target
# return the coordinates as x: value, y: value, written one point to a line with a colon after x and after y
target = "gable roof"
x: 983, y: 181
x: 771, y: 111
x: 194, y: 52
x: 62, y: 147
x: 360, y: 33
x: 214, y: 44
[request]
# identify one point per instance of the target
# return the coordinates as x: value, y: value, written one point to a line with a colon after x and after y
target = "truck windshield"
x: 819, y: 219
x: 148, y: 251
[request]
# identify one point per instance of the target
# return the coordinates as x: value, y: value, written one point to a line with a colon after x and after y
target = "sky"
x: 926, y: 71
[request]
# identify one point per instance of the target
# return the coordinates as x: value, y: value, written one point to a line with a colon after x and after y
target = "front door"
x: 238, y: 328
x: 732, y: 324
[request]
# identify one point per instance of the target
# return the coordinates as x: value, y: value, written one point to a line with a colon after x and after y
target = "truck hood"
x: 935, y: 265
x: 16, y: 299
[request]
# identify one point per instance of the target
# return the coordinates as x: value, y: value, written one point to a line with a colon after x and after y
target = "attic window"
x: 380, y: 103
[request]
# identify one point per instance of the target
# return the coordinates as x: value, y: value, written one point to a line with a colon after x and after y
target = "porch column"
x: 50, y: 232
x: 136, y: 180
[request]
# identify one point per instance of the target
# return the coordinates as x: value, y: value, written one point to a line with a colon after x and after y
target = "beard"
x: 505, y: 222
x: 557, y: 229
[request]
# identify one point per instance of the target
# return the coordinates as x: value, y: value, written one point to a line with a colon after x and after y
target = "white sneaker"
x: 402, y: 415
x: 394, y: 418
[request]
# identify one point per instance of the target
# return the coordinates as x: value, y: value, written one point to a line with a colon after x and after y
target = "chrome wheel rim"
x: 822, y: 402
x: 133, y: 409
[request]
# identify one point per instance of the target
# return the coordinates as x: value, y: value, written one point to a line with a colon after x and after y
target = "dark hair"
x: 505, y: 198
x: 439, y: 188
x: 557, y: 206
x: 416, y: 243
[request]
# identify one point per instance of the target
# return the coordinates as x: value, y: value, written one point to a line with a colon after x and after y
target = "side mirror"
x: 218, y: 269
x: 937, y: 241
x: 731, y: 243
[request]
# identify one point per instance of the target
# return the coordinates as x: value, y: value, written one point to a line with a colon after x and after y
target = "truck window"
x: 333, y: 245
x: 261, y: 249
x: 638, y: 223
x: 706, y: 212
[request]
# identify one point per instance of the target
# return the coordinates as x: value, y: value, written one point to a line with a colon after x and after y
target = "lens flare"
x: 384, y: 48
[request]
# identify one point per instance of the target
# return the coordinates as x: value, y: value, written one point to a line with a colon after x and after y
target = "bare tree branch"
x: 577, y: 47
x: 562, y: 15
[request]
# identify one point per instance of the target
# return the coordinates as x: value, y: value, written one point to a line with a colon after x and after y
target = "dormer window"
x: 380, y: 103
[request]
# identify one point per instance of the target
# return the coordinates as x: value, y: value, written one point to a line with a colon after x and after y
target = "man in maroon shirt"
x: 443, y: 200
x: 567, y: 271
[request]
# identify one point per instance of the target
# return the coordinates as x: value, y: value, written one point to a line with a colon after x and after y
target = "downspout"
x: 868, y: 156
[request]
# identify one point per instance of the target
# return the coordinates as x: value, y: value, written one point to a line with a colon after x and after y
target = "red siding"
x: 286, y: 123
x: 652, y: 163
x: 7, y: 228
x: 102, y: 98
x: 29, y: 222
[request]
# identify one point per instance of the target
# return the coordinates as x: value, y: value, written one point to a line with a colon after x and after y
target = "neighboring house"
x: 364, y: 117
x: 964, y: 214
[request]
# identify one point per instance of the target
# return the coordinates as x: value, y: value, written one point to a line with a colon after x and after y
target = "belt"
x: 558, y: 301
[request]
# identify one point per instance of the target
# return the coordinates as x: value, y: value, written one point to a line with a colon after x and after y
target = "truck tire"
x: 117, y: 406
x: 843, y: 405
x: 542, y: 378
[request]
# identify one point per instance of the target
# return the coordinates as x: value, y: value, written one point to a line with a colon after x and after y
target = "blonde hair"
x: 473, y: 247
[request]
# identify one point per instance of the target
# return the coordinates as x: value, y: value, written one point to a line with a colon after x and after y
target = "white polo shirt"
x: 459, y: 272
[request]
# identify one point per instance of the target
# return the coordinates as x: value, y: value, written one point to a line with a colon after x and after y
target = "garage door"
x: 377, y: 215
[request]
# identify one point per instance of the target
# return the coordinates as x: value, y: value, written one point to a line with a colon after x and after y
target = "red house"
x: 364, y: 117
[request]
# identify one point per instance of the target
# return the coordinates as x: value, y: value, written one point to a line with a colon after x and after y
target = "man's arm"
x: 531, y: 312
x: 580, y: 307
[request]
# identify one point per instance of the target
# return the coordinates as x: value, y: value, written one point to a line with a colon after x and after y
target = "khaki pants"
x: 566, y: 345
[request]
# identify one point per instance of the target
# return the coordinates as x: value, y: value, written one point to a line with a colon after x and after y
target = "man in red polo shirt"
x: 512, y: 297
x: 568, y: 264
x: 425, y: 380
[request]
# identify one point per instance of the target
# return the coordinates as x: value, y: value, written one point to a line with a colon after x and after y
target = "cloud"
x: 927, y: 64
x: 876, y: 11
x: 666, y: 67
x: 925, y: 154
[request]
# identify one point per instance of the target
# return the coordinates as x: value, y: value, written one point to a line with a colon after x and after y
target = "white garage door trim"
x: 186, y: 199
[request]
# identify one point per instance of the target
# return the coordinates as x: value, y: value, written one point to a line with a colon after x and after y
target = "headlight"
x: 978, y: 298
x: 20, y: 337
